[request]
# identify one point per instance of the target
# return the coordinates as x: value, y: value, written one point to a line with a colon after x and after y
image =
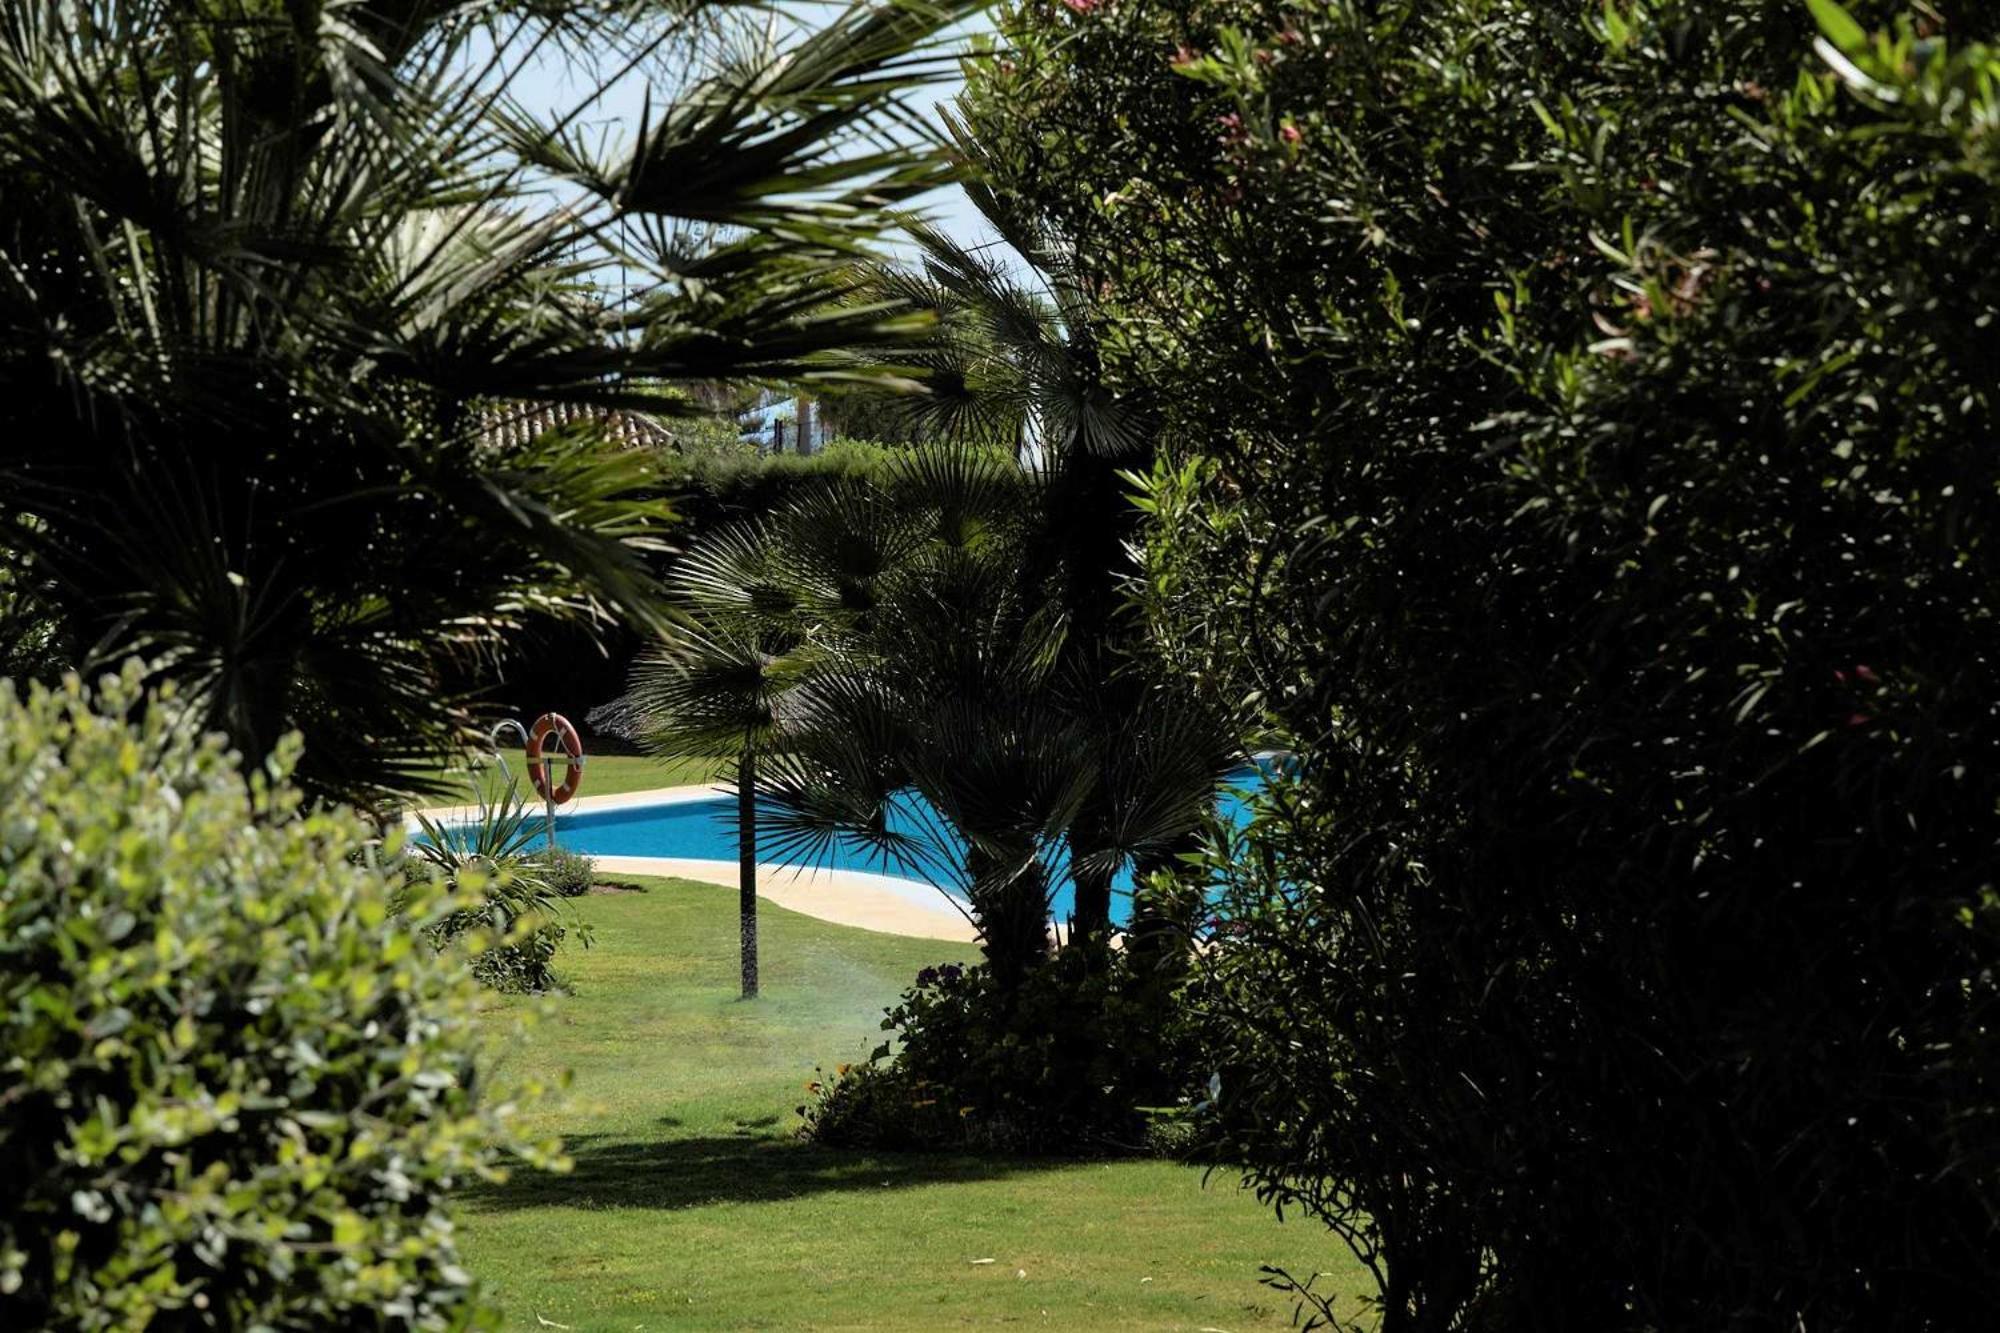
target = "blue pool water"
x: 705, y: 830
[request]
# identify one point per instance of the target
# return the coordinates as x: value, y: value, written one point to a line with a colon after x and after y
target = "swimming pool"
x: 703, y: 828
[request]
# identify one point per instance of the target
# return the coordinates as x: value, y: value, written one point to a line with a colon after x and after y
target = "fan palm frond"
x: 1012, y: 356
x: 707, y: 690
x: 265, y: 269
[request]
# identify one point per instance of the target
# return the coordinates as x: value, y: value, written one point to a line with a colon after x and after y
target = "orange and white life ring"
x: 572, y: 745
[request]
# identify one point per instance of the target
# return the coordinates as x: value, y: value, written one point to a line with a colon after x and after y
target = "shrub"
x: 879, y: 1106
x: 568, y: 874
x: 511, y: 923
x: 237, y: 1090
x: 1063, y: 1063
x: 1594, y: 409
x: 871, y: 416
x: 710, y: 492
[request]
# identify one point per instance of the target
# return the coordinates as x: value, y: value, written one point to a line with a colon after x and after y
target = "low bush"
x: 567, y: 874
x: 237, y: 1090
x: 1066, y: 1062
x: 509, y: 919
x: 709, y: 492
x: 880, y: 1105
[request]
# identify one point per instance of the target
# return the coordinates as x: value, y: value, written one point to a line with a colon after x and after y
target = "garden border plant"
x: 238, y: 1089
x: 1581, y: 426
x: 512, y: 918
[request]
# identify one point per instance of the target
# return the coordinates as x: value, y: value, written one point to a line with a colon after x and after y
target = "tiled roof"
x: 513, y: 424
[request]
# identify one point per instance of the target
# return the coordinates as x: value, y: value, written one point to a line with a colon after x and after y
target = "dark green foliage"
x: 285, y: 280
x: 572, y: 668
x: 32, y: 640
x: 877, y: 417
x: 1061, y: 1063
x: 709, y: 493
x: 907, y: 633
x: 1011, y: 361
x: 238, y: 1091
x: 878, y: 1105
x: 1586, y: 419
x: 1015, y: 362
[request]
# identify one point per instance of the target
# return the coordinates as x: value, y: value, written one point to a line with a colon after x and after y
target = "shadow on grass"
x: 612, y: 1172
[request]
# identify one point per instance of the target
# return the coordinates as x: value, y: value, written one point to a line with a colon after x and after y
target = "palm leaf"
x: 264, y: 271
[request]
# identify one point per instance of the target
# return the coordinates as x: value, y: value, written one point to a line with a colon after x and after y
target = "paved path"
x: 846, y: 897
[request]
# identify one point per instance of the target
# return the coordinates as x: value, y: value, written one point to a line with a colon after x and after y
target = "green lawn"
x: 692, y: 1206
x: 603, y: 774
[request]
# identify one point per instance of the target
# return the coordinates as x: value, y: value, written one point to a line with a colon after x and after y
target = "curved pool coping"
x: 885, y: 903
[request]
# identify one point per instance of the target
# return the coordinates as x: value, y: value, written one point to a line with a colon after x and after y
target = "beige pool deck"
x: 846, y: 897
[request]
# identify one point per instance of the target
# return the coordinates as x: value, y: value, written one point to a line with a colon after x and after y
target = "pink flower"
x: 1082, y: 6
x: 1862, y: 671
x: 1184, y: 56
x: 1290, y: 134
x: 1289, y: 37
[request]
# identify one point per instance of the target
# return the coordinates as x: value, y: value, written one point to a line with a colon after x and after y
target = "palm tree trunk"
x: 1012, y: 911
x: 1090, y: 918
x: 746, y: 864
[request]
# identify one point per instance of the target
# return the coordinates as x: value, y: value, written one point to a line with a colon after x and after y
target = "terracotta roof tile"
x: 514, y: 424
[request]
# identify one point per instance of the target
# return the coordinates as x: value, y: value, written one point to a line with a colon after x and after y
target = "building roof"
x: 514, y: 424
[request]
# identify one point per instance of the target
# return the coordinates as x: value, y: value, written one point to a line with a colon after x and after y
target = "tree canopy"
x: 1579, y: 425
x: 272, y: 276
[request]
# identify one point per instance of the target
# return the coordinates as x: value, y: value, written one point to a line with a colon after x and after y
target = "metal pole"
x: 493, y: 739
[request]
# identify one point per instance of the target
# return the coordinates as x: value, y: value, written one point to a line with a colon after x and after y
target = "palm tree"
x: 273, y: 271
x: 714, y: 685
x: 708, y: 693
x: 749, y: 608
x: 1014, y: 357
x: 931, y: 712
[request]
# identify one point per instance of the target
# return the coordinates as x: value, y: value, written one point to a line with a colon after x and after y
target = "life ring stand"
x: 571, y: 745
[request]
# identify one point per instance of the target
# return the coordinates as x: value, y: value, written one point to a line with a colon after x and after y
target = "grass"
x: 693, y: 1206
x: 603, y: 774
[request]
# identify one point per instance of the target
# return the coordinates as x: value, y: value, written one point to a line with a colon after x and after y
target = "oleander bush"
x: 236, y: 1090
x: 1581, y: 430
